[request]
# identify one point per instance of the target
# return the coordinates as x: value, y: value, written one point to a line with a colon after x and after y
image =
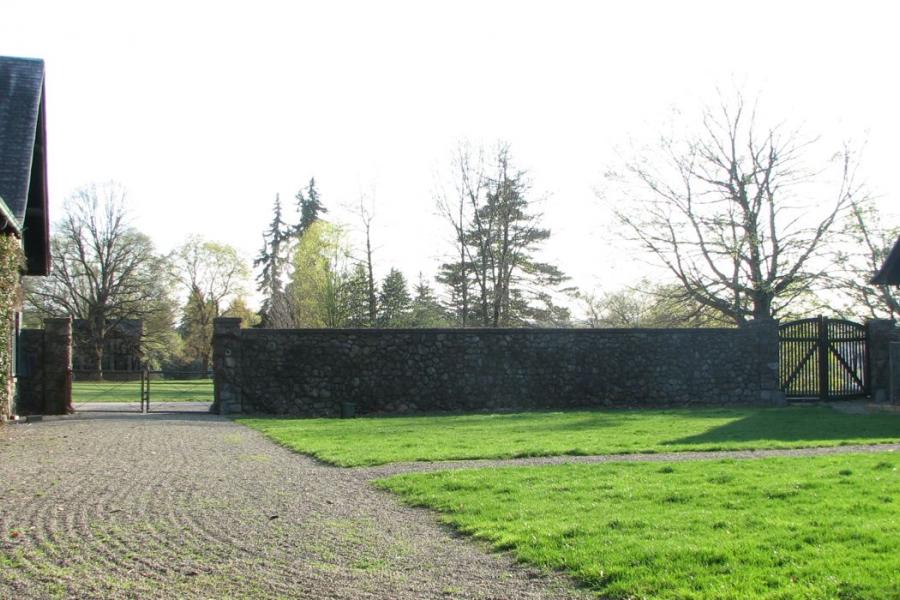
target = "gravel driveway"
x: 194, y: 506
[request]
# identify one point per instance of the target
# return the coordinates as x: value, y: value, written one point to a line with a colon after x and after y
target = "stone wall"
x: 311, y: 372
x: 44, y: 385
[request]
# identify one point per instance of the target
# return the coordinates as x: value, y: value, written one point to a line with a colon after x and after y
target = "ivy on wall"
x: 11, y: 260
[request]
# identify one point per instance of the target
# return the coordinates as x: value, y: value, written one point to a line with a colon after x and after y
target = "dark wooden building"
x: 24, y: 220
x: 23, y: 159
x: 890, y: 271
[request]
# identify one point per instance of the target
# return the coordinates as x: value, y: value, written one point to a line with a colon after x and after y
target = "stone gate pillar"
x: 765, y: 347
x: 881, y: 333
x: 894, y: 396
x: 57, y: 369
x: 227, y: 366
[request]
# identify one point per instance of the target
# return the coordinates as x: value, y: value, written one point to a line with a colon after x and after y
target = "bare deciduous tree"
x: 104, y: 270
x: 469, y: 181
x: 736, y: 214
x: 366, y: 216
x: 867, y: 243
x: 647, y: 305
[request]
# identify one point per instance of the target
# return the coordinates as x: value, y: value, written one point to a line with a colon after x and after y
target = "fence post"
x: 227, y: 366
x: 824, y: 377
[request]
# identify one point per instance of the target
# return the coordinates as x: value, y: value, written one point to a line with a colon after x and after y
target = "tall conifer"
x: 271, y: 261
x: 309, y: 207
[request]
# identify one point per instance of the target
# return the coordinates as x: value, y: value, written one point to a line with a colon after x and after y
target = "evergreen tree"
x: 357, y: 297
x: 394, y: 301
x: 271, y: 260
x: 456, y: 278
x: 498, y: 282
x: 426, y: 311
x: 239, y: 309
x: 309, y: 207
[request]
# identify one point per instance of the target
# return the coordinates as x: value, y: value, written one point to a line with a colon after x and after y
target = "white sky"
x: 205, y: 110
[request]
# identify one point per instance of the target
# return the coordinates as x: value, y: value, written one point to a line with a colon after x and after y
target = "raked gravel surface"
x: 195, y: 506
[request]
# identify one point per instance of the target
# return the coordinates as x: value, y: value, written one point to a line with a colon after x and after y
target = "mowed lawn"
x: 161, y: 390
x: 806, y: 527
x: 374, y: 441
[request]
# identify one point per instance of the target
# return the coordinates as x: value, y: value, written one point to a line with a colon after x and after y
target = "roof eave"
x: 37, y: 241
x: 8, y: 221
x: 889, y: 274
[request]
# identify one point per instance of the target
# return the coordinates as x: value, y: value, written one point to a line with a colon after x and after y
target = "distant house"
x: 890, y: 271
x: 121, y: 348
x: 23, y: 191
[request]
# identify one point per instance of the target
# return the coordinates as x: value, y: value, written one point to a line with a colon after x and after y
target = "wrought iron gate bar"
x: 171, y: 377
x: 823, y: 358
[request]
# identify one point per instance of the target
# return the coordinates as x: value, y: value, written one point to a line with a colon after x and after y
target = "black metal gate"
x: 176, y: 391
x: 824, y: 359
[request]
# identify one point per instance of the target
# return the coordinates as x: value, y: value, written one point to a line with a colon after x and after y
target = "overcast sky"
x: 206, y: 110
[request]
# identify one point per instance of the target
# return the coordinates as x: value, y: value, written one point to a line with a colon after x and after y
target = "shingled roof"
x: 23, y: 158
x: 890, y: 271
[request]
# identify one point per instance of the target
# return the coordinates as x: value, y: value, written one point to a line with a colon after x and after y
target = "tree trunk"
x: 373, y: 306
x: 97, y: 331
x: 762, y: 306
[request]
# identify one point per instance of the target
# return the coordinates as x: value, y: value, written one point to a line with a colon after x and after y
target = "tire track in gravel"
x: 194, y: 506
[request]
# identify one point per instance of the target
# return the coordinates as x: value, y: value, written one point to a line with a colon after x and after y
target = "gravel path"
x: 135, y: 407
x: 368, y: 473
x: 194, y: 506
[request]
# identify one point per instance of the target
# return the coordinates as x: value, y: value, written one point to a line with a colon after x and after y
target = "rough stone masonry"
x: 312, y: 372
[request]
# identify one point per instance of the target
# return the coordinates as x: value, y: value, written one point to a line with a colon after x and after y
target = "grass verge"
x: 374, y: 441
x: 806, y: 527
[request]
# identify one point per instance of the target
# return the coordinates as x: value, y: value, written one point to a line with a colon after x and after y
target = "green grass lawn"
x: 373, y: 441
x: 161, y: 390
x: 810, y: 527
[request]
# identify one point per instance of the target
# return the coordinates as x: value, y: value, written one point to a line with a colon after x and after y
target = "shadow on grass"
x: 638, y: 420
x: 798, y: 425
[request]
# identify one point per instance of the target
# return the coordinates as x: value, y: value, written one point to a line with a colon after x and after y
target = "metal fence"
x: 176, y: 391
x: 142, y: 391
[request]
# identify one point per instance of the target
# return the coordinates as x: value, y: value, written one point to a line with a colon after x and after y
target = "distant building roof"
x: 23, y: 158
x: 890, y: 271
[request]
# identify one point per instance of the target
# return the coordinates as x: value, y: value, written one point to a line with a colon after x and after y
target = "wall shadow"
x: 797, y: 425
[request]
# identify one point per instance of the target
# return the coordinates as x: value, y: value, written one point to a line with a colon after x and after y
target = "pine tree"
x: 272, y: 259
x: 426, y: 311
x: 309, y: 207
x: 357, y: 298
x: 394, y: 301
x: 239, y: 309
x: 455, y: 277
x: 497, y: 281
